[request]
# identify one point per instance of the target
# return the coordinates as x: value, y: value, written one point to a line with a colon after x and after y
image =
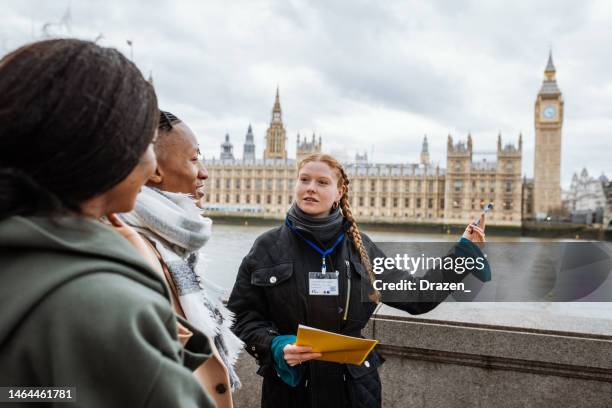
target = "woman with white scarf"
x: 174, y: 232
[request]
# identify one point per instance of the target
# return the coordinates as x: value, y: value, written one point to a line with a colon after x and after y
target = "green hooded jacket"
x: 80, y: 308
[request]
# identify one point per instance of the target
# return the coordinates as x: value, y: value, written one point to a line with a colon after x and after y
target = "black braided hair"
x: 166, y: 120
x: 75, y: 119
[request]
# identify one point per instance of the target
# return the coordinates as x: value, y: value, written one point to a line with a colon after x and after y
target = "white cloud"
x: 360, y: 73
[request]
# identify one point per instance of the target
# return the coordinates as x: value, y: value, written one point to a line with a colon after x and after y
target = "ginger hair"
x: 354, y: 233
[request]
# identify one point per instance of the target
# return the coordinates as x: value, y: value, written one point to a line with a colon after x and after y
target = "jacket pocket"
x: 272, y: 275
x: 361, y: 271
x: 370, y: 364
x: 364, y: 386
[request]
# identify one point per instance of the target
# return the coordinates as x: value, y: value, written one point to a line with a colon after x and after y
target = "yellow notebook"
x: 335, y: 347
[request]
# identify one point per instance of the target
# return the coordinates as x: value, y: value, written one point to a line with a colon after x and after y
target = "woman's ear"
x: 157, y: 177
x: 341, y: 192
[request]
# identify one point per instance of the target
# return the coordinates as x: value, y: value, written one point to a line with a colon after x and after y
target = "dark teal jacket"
x: 80, y: 308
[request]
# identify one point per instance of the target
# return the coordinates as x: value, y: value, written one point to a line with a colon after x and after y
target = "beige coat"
x: 213, y: 374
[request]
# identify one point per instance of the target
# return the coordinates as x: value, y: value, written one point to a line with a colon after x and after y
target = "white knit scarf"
x: 179, y: 231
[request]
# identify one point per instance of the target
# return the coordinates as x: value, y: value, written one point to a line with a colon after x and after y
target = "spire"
x: 550, y: 67
x: 227, y: 149
x: 248, y: 152
x: 425, y: 148
x: 276, y: 134
x: 277, y: 107
x: 276, y: 110
x: 549, y: 85
x: 550, y: 70
x: 469, y: 143
x: 249, y: 135
x: 425, y: 152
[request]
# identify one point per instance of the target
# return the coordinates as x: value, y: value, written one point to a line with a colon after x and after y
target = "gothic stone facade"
x: 410, y: 193
x: 388, y: 193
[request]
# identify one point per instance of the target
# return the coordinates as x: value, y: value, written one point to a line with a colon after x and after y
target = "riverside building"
x: 419, y: 192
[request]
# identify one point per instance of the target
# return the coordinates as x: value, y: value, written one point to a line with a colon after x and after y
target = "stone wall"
x: 437, y: 363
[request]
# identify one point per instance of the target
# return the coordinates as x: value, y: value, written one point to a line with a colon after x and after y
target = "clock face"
x: 549, y: 112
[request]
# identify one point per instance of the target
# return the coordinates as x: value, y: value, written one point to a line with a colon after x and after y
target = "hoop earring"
x: 335, y: 206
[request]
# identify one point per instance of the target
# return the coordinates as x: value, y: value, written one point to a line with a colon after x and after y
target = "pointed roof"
x: 249, y: 135
x: 425, y: 148
x: 227, y: 149
x: 549, y: 85
x: 550, y: 67
x: 603, y: 178
x: 277, y: 107
x: 584, y: 173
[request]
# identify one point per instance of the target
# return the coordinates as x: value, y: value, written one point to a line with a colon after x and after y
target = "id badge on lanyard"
x: 323, y: 284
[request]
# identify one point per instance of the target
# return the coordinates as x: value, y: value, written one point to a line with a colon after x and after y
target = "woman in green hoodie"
x: 78, y: 307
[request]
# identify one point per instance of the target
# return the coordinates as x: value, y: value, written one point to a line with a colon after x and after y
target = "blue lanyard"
x: 314, y: 246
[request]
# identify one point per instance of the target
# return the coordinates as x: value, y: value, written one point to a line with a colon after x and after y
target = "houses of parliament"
x: 404, y: 192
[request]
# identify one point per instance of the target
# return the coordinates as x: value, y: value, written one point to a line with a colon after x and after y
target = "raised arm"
x: 416, y: 301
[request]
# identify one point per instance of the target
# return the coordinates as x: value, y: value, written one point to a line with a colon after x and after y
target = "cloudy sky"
x: 372, y: 76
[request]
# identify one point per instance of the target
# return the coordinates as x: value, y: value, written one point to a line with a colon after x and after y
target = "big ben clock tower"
x: 276, y: 134
x: 547, y: 163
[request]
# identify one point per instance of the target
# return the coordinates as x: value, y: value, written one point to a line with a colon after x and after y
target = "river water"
x: 231, y: 242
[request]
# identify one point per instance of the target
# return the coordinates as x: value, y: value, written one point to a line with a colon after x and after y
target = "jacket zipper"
x: 348, y: 291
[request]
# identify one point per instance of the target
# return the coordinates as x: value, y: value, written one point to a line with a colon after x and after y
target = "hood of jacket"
x: 40, y: 254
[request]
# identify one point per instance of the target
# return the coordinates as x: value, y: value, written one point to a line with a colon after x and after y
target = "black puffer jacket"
x: 270, y: 298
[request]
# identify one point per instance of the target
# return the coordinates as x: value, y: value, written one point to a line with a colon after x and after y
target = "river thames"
x: 231, y: 242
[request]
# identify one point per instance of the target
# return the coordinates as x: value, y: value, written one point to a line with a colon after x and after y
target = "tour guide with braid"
x: 280, y: 285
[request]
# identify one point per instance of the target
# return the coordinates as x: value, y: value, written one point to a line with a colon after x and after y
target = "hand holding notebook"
x: 335, y: 347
